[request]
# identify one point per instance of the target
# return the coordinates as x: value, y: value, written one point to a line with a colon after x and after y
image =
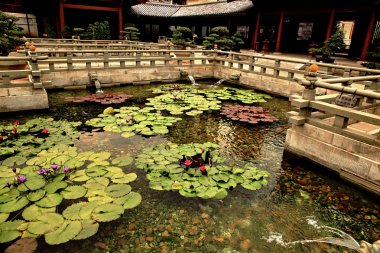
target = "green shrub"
x: 100, y: 30
x: 10, y: 33
x: 131, y: 33
x: 183, y: 36
x: 220, y: 35
x: 331, y: 45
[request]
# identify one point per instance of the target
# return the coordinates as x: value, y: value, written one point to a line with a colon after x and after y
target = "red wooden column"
x: 120, y: 12
x: 279, y: 32
x: 368, y: 36
x: 61, y: 15
x: 256, y: 34
x: 331, y: 23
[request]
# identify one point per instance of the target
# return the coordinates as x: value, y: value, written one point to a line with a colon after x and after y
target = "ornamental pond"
x: 287, y: 199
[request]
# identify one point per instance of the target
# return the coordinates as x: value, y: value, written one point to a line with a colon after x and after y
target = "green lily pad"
x: 67, y: 231
x: 14, y: 160
x: 14, y: 205
x: 132, y: 200
x: 107, y: 212
x: 45, y: 223
x: 74, y: 192
x: 3, y: 217
x: 55, y: 186
x: 118, y: 190
x: 50, y: 200
x: 89, y: 228
x: 10, y: 230
x: 127, y: 178
x: 123, y: 161
x: 36, y: 195
x: 32, y: 212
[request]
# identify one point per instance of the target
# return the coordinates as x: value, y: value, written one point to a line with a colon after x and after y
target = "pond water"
x: 245, y: 221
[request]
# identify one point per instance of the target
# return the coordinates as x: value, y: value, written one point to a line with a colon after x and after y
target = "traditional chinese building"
x: 287, y: 26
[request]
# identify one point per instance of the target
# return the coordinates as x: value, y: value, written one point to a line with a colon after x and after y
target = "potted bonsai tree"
x: 332, y: 45
x: 131, y: 33
x: 182, y: 37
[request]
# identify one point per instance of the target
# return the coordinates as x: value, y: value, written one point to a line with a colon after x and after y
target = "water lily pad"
x: 38, y: 160
x: 125, y: 179
x: 132, y: 200
x: 55, y: 186
x: 96, y: 171
x: 122, y: 161
x: 89, y: 228
x: 36, y: 195
x: 67, y: 231
x: 32, y: 212
x: 50, y: 200
x: 14, y: 160
x: 118, y: 190
x: 101, y: 156
x: 45, y: 223
x: 3, y: 217
x: 107, y: 212
x: 79, y: 176
x: 74, y: 192
x: 9, y: 230
x: 73, y: 212
x: 14, y: 205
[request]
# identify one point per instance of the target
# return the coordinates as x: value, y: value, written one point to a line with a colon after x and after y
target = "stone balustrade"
x: 344, y: 139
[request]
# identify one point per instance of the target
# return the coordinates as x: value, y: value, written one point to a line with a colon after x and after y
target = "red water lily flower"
x: 14, y: 130
x: 45, y: 131
x: 202, y: 168
x: 16, y: 123
x: 1, y: 138
x: 188, y: 162
x: 202, y: 149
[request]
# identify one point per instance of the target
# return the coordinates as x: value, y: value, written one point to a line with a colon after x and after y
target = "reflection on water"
x: 168, y: 222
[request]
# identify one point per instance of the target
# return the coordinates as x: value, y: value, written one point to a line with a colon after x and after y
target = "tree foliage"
x: 331, y: 45
x: 10, y: 33
x: 183, y: 36
x: 131, y: 33
x: 220, y: 36
x: 100, y: 30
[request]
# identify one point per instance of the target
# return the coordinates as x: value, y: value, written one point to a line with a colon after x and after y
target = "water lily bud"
x: 45, y: 131
x: 21, y: 179
x: 41, y: 171
x: 14, y: 130
x: 202, y: 168
x: 14, y: 169
x: 47, y: 171
x: 203, y: 149
x: 1, y: 138
x: 7, y: 184
x: 66, y: 169
x: 54, y: 166
x: 188, y: 162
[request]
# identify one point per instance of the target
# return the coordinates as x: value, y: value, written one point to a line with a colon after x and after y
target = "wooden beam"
x: 120, y: 12
x: 88, y: 7
x: 279, y: 32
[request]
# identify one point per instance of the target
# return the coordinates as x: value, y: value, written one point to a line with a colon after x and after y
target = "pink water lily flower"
x: 188, y: 162
x: 202, y: 168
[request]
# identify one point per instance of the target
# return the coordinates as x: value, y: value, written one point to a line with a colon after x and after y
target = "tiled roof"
x: 154, y: 10
x: 208, y: 9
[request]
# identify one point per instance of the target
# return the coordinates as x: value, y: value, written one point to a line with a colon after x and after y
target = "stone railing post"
x: 106, y: 59
x: 308, y: 95
x: 36, y: 73
x: 69, y: 60
x: 138, y: 59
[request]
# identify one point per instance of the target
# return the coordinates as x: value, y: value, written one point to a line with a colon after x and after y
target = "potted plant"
x: 333, y: 44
